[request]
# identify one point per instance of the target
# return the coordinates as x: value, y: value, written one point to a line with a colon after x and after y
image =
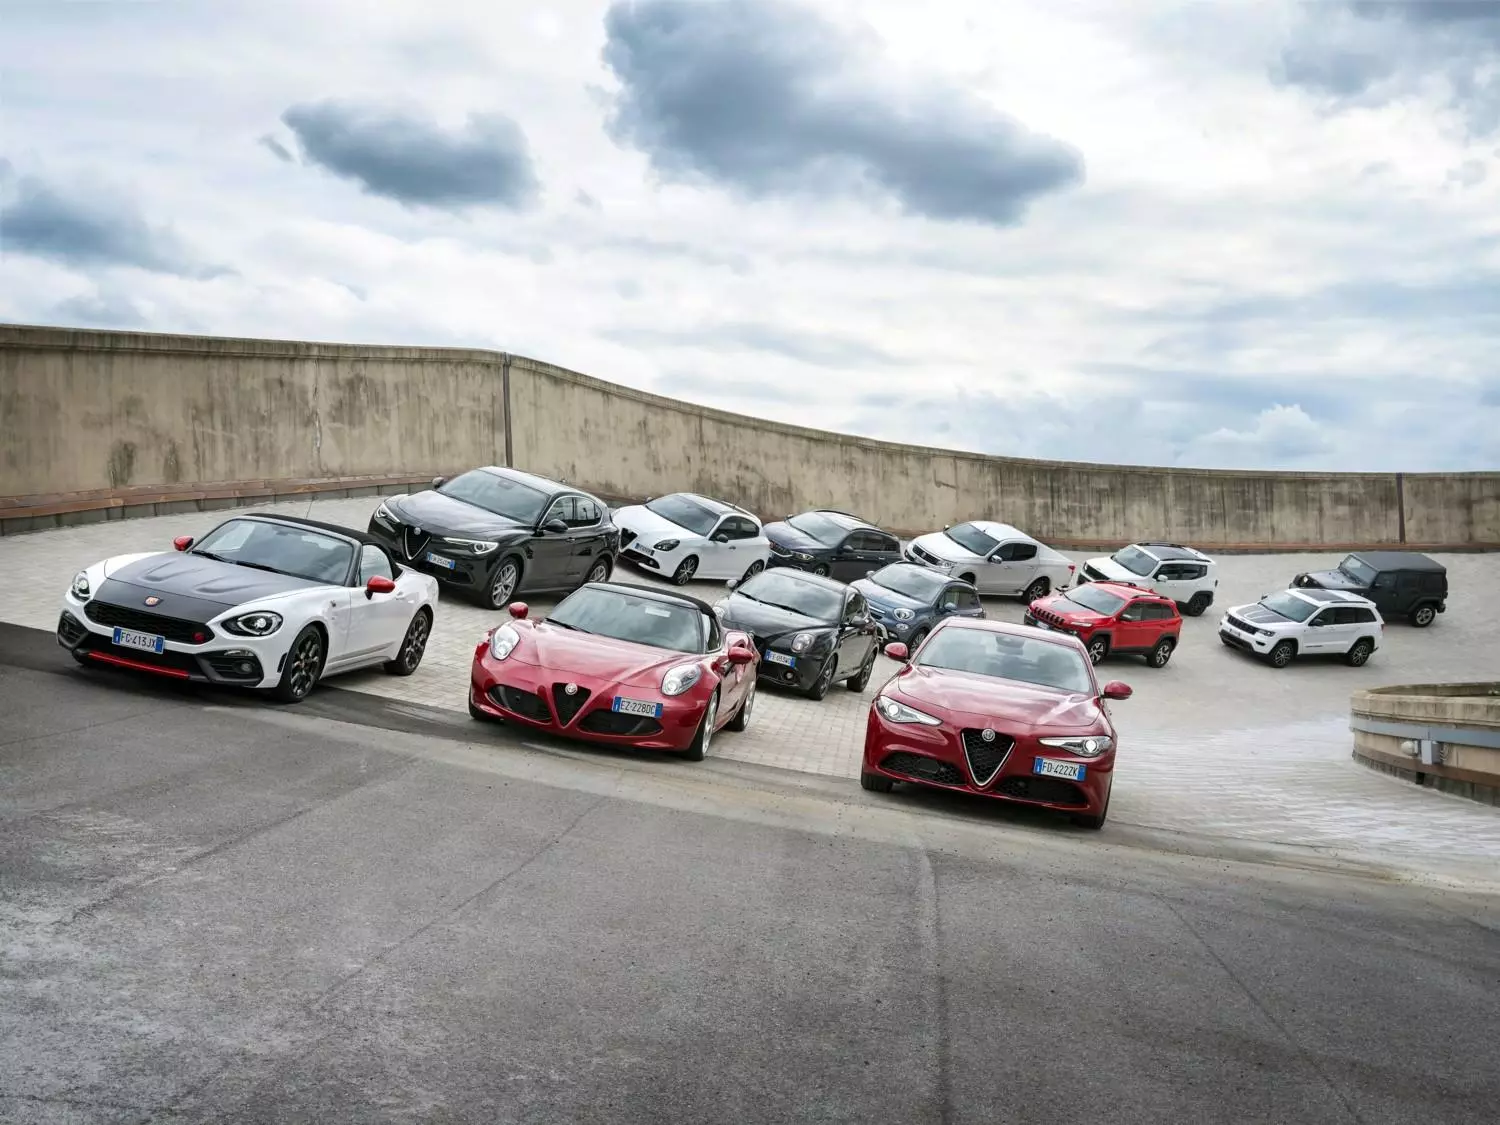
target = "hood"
x: 766, y: 622
x: 784, y: 534
x: 649, y: 527
x: 1111, y: 569
x: 878, y: 595
x: 437, y: 514
x: 1017, y: 707
x: 1257, y: 614
x: 597, y: 662
x: 192, y: 587
x: 1069, y: 610
x: 937, y: 543
x: 1329, y: 580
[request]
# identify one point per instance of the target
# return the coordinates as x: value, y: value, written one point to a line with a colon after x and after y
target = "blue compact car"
x: 907, y: 600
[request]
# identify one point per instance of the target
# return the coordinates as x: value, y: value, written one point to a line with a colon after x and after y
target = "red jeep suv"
x: 1112, y: 618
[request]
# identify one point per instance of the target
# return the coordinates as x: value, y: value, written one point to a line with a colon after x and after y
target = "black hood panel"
x: 192, y: 587
x: 1330, y: 580
x: 437, y: 514
x: 788, y: 536
x: 765, y: 622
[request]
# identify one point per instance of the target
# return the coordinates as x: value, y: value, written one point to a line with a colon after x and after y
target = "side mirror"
x: 898, y: 651
x: 380, y: 584
x: 732, y: 583
x: 182, y: 542
x: 438, y: 482
x: 518, y: 609
x: 721, y: 538
x: 1116, y: 690
x: 554, y: 527
x: 869, y: 574
x: 740, y: 655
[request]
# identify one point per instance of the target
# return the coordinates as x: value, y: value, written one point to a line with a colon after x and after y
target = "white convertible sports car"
x: 685, y: 536
x: 995, y: 557
x: 261, y: 601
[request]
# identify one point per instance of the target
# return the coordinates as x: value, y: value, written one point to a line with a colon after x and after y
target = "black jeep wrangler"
x: 1400, y: 583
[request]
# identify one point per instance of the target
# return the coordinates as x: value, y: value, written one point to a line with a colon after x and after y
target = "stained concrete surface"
x: 215, y: 909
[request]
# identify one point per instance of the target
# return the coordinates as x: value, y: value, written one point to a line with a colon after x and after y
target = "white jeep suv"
x: 1184, y: 574
x: 1305, y: 622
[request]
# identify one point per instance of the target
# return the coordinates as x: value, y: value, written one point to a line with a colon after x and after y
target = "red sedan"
x: 999, y: 710
x: 620, y: 664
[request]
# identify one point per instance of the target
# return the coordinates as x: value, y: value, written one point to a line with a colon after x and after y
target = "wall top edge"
x: 26, y: 336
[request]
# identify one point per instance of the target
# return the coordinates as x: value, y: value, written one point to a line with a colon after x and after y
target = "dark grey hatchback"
x: 907, y: 600
x: 831, y: 543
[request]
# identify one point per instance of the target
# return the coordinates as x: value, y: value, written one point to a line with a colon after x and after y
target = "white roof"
x: 1000, y: 530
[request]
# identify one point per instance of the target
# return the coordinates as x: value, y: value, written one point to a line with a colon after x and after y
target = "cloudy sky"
x: 1198, y: 232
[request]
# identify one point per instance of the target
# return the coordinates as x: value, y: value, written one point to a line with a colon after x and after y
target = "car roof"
x: 845, y: 519
x: 541, y: 484
x: 657, y: 594
x: 719, y: 507
x: 360, y: 537
x: 1329, y: 597
x: 1398, y: 560
x: 997, y: 530
x: 1172, y: 551
x: 926, y: 571
x: 807, y: 576
x: 990, y: 624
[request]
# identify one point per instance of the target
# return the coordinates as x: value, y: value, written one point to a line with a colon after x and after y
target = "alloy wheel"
x: 306, y: 658
x: 1097, y: 649
x: 1424, y: 615
x: 416, y: 641
x: 505, y: 584
x: 709, y: 715
x: 685, y: 572
x: 599, y: 573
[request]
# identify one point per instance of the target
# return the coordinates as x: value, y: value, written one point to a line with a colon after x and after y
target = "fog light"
x: 246, y: 667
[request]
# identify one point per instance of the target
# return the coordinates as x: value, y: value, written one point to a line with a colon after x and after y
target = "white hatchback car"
x: 1184, y: 574
x: 683, y: 536
x: 995, y: 558
x: 1305, y: 622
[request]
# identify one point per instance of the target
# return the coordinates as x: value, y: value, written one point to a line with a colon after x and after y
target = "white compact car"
x: 995, y: 558
x: 1305, y: 622
x: 684, y: 536
x: 1184, y: 574
x: 267, y: 602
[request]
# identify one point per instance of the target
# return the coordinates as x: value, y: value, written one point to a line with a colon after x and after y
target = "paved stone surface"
x: 1215, y: 745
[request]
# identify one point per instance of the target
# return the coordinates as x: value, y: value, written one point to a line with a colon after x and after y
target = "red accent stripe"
x: 175, y: 673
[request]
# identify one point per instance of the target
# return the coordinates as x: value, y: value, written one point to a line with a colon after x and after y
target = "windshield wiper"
x: 566, y: 625
x: 251, y: 565
x: 788, y: 608
x: 211, y: 555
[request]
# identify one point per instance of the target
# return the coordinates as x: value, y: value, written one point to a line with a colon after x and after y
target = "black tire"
x: 599, y: 572
x: 755, y: 568
x: 741, y: 718
x: 916, y: 639
x: 1094, y: 823
x: 820, y: 687
x: 503, y: 583
x: 1197, y: 605
x: 821, y: 570
x: 861, y: 679
x: 1282, y: 655
x: 685, y: 571
x: 304, y: 664
x: 1423, y: 616
x: 1359, y: 653
x: 1037, y: 589
x: 698, y: 749
x: 1098, y: 649
x: 1161, y: 652
x: 413, y: 645
x: 874, y: 782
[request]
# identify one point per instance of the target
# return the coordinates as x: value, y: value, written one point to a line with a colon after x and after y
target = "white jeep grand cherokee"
x: 1184, y: 574
x: 1305, y: 622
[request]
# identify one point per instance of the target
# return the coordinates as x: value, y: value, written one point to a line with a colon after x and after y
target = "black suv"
x: 1400, y: 583
x: 831, y: 543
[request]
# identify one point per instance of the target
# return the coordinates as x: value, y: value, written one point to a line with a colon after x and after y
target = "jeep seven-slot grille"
x: 1243, y: 626
x: 123, y: 617
x: 524, y: 703
x: 568, y: 705
x: 1049, y: 789
x: 602, y: 721
x: 986, y: 758
x: 922, y: 768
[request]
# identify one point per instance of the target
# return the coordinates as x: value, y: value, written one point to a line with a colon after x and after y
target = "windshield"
x: 1135, y: 560
x: 914, y: 582
x: 684, y: 512
x: 1006, y: 657
x: 302, y: 552
x: 778, y: 588
x: 819, y: 527
x: 1359, y: 570
x: 970, y: 538
x: 1100, y: 601
x: 629, y: 617
x: 1289, y: 606
x: 499, y: 495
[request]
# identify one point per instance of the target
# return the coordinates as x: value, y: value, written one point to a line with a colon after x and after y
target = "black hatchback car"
x: 831, y: 543
x: 495, y: 533
x: 1400, y: 583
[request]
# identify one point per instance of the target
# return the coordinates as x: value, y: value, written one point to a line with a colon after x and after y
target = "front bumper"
x: 935, y: 757
x: 531, y: 696
x: 253, y: 662
x: 468, y: 572
x: 1244, y: 640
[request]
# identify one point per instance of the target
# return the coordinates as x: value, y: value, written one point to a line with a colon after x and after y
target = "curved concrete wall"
x: 101, y: 415
x: 1445, y: 736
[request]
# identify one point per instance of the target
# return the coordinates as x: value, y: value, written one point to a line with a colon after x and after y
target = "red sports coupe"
x: 1000, y: 710
x: 621, y: 664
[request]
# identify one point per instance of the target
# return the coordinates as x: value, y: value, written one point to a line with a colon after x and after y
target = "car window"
x: 1288, y: 605
x: 500, y: 495
x: 373, y: 562
x: 1362, y: 616
x: 950, y: 598
x: 967, y: 599
x: 303, y: 552
x: 970, y: 538
x: 1018, y: 552
x: 887, y: 543
x: 1326, y: 617
x: 737, y: 527
x: 631, y: 617
x: 855, y: 607
x: 1091, y: 597
x: 586, y: 512
x: 684, y: 511
x: 561, y: 509
x: 1432, y: 583
x: 981, y: 652
x: 1135, y: 611
x: 787, y: 589
x: 816, y: 525
x: 1135, y: 560
x: 1409, y: 580
x: 909, y: 581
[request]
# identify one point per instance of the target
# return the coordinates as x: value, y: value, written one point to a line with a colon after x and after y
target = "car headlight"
x: 803, y: 641
x: 260, y: 623
x: 679, y: 679
x: 385, y: 516
x: 473, y: 546
x: 1265, y: 632
x: 667, y: 545
x: 81, y: 585
x: 1086, y: 746
x: 895, y: 712
x: 503, y: 642
x: 904, y: 615
x: 801, y: 556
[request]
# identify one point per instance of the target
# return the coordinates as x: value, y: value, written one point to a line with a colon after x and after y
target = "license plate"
x: 438, y: 560
x: 1049, y: 767
x: 781, y: 658
x: 637, y: 707
x: 146, y: 642
x: 1043, y: 625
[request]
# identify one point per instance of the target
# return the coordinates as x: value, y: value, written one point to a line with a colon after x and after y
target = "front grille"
x: 1052, y: 790
x: 413, y: 542
x: 228, y: 667
x: 1094, y: 575
x: 926, y: 557
x: 524, y: 703
x: 986, y: 758
x: 1237, y: 642
x: 1243, y: 626
x: 604, y: 721
x: 922, y: 767
x: 123, y: 617
x: 568, y: 705
x: 626, y: 538
x: 70, y: 630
